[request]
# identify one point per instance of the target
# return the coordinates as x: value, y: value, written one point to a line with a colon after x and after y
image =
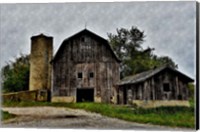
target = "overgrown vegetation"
x: 191, y: 90
x: 127, y: 44
x: 15, y: 75
x: 168, y: 116
x: 5, y: 115
x: 191, y: 94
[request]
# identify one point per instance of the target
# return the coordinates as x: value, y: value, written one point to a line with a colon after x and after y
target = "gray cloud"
x: 169, y: 26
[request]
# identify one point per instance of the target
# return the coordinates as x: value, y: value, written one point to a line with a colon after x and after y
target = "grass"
x: 168, y: 116
x: 192, y: 102
x: 5, y: 115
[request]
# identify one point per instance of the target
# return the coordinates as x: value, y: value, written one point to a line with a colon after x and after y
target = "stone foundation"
x: 66, y: 99
x: 70, y: 99
x: 97, y: 99
x: 158, y: 103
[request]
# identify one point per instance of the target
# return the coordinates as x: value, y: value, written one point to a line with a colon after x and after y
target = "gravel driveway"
x: 59, y: 117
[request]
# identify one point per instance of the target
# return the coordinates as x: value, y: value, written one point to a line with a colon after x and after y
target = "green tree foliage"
x: 127, y: 44
x: 15, y: 75
x: 191, y: 90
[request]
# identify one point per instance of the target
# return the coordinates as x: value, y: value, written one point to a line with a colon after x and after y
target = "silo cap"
x: 41, y: 35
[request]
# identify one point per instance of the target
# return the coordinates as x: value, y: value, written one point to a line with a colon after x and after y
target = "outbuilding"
x: 162, y: 86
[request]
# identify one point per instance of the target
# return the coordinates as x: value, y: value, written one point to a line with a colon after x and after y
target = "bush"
x: 15, y: 75
x: 5, y: 115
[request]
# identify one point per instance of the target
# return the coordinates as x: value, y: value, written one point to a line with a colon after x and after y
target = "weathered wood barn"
x: 85, y: 69
x: 160, y: 86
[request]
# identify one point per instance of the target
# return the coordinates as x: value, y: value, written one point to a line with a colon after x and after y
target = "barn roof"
x: 86, y: 31
x: 148, y: 74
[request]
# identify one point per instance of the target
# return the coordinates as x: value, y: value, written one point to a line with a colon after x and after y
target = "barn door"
x: 85, y: 95
x: 125, y: 95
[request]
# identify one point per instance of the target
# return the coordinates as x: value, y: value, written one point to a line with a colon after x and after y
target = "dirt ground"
x: 59, y: 117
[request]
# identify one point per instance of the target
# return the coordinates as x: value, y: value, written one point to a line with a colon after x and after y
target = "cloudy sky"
x: 169, y: 26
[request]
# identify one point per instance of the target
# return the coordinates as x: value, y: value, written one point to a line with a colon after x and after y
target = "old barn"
x: 85, y: 69
x: 157, y: 87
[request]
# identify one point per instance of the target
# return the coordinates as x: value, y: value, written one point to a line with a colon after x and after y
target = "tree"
x: 127, y: 44
x: 15, y: 75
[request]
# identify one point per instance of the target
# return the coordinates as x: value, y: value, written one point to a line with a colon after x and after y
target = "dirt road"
x: 58, y: 117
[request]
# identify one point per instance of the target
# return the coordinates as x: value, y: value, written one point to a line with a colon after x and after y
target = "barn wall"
x: 153, y: 89
x: 85, y: 54
x: 120, y: 95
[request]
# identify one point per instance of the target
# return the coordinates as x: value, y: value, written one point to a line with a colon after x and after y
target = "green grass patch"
x: 168, y: 116
x: 192, y: 102
x: 5, y: 115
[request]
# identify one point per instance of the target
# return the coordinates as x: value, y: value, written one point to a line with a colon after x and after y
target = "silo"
x: 40, y: 67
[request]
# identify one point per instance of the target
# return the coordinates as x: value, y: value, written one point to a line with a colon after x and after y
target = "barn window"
x: 82, y: 39
x: 166, y: 87
x: 80, y: 75
x: 91, y: 75
x: 179, y: 97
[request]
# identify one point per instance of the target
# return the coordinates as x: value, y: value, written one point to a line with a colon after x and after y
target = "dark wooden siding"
x: 153, y: 88
x: 85, y: 54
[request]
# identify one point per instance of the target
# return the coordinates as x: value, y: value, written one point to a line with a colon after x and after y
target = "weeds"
x: 5, y: 115
x: 168, y: 116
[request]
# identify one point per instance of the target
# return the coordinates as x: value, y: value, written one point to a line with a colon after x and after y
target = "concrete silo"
x: 40, y: 67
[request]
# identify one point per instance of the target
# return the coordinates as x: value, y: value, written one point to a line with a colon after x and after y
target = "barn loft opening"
x: 166, y: 87
x: 80, y: 75
x: 85, y: 95
x: 82, y: 39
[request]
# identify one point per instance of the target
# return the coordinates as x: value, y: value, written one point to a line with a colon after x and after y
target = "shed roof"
x: 86, y: 31
x: 140, y: 77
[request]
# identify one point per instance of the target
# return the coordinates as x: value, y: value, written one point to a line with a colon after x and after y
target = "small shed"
x: 157, y: 87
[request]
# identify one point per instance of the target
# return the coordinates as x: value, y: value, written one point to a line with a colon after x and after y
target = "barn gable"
x: 80, y: 36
